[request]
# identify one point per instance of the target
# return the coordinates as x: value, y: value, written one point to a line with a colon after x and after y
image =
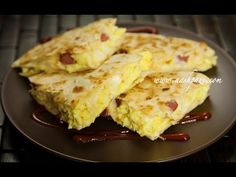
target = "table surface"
x: 18, y: 33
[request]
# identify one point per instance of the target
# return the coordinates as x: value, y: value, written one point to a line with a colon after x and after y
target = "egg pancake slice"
x: 171, y: 54
x: 78, y: 98
x: 76, y: 50
x: 159, y: 101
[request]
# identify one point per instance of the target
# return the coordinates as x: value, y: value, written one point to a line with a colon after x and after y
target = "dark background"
x: 18, y: 33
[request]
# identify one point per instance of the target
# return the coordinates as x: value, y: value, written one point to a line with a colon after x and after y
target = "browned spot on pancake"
x: 127, y: 39
x: 203, y: 44
x: 60, y: 83
x: 149, y: 78
x: 178, y: 86
x: 92, y: 78
x: 170, y: 39
x: 98, y: 81
x: 144, y: 41
x: 121, y: 51
x: 161, y: 102
x: 123, y: 95
x: 117, y: 62
x: 185, y: 44
x: 77, y: 89
x: 196, y: 82
x: 95, y: 79
x: 148, y: 98
x: 104, y: 74
x: 183, y: 58
x: 151, y: 93
x: 73, y: 103
x: 118, y: 102
x: 165, y: 89
x: 175, y: 47
x: 168, y: 61
x: 100, y: 70
x: 147, y: 109
x: 163, y: 43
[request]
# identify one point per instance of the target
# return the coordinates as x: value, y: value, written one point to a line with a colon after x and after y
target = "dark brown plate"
x: 19, y: 105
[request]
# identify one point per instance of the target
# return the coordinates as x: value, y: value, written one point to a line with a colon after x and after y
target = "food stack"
x: 135, y: 77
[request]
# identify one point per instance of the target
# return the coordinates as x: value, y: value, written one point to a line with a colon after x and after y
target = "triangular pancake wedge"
x: 79, y: 98
x: 158, y: 102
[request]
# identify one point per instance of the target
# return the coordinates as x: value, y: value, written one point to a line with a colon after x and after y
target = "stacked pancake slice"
x: 80, y: 73
x: 80, y: 98
x: 171, y: 54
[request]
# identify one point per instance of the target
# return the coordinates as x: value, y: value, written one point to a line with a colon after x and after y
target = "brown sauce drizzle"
x: 175, y: 137
x: 194, y: 117
x: 124, y: 135
x: 143, y: 29
x: 38, y: 116
x: 85, y: 136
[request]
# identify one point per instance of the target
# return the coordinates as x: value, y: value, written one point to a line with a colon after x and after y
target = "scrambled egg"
x: 79, y: 98
x: 150, y: 108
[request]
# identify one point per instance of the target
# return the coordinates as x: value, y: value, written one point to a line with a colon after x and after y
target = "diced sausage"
x: 66, y: 59
x: 172, y: 105
x: 104, y: 37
